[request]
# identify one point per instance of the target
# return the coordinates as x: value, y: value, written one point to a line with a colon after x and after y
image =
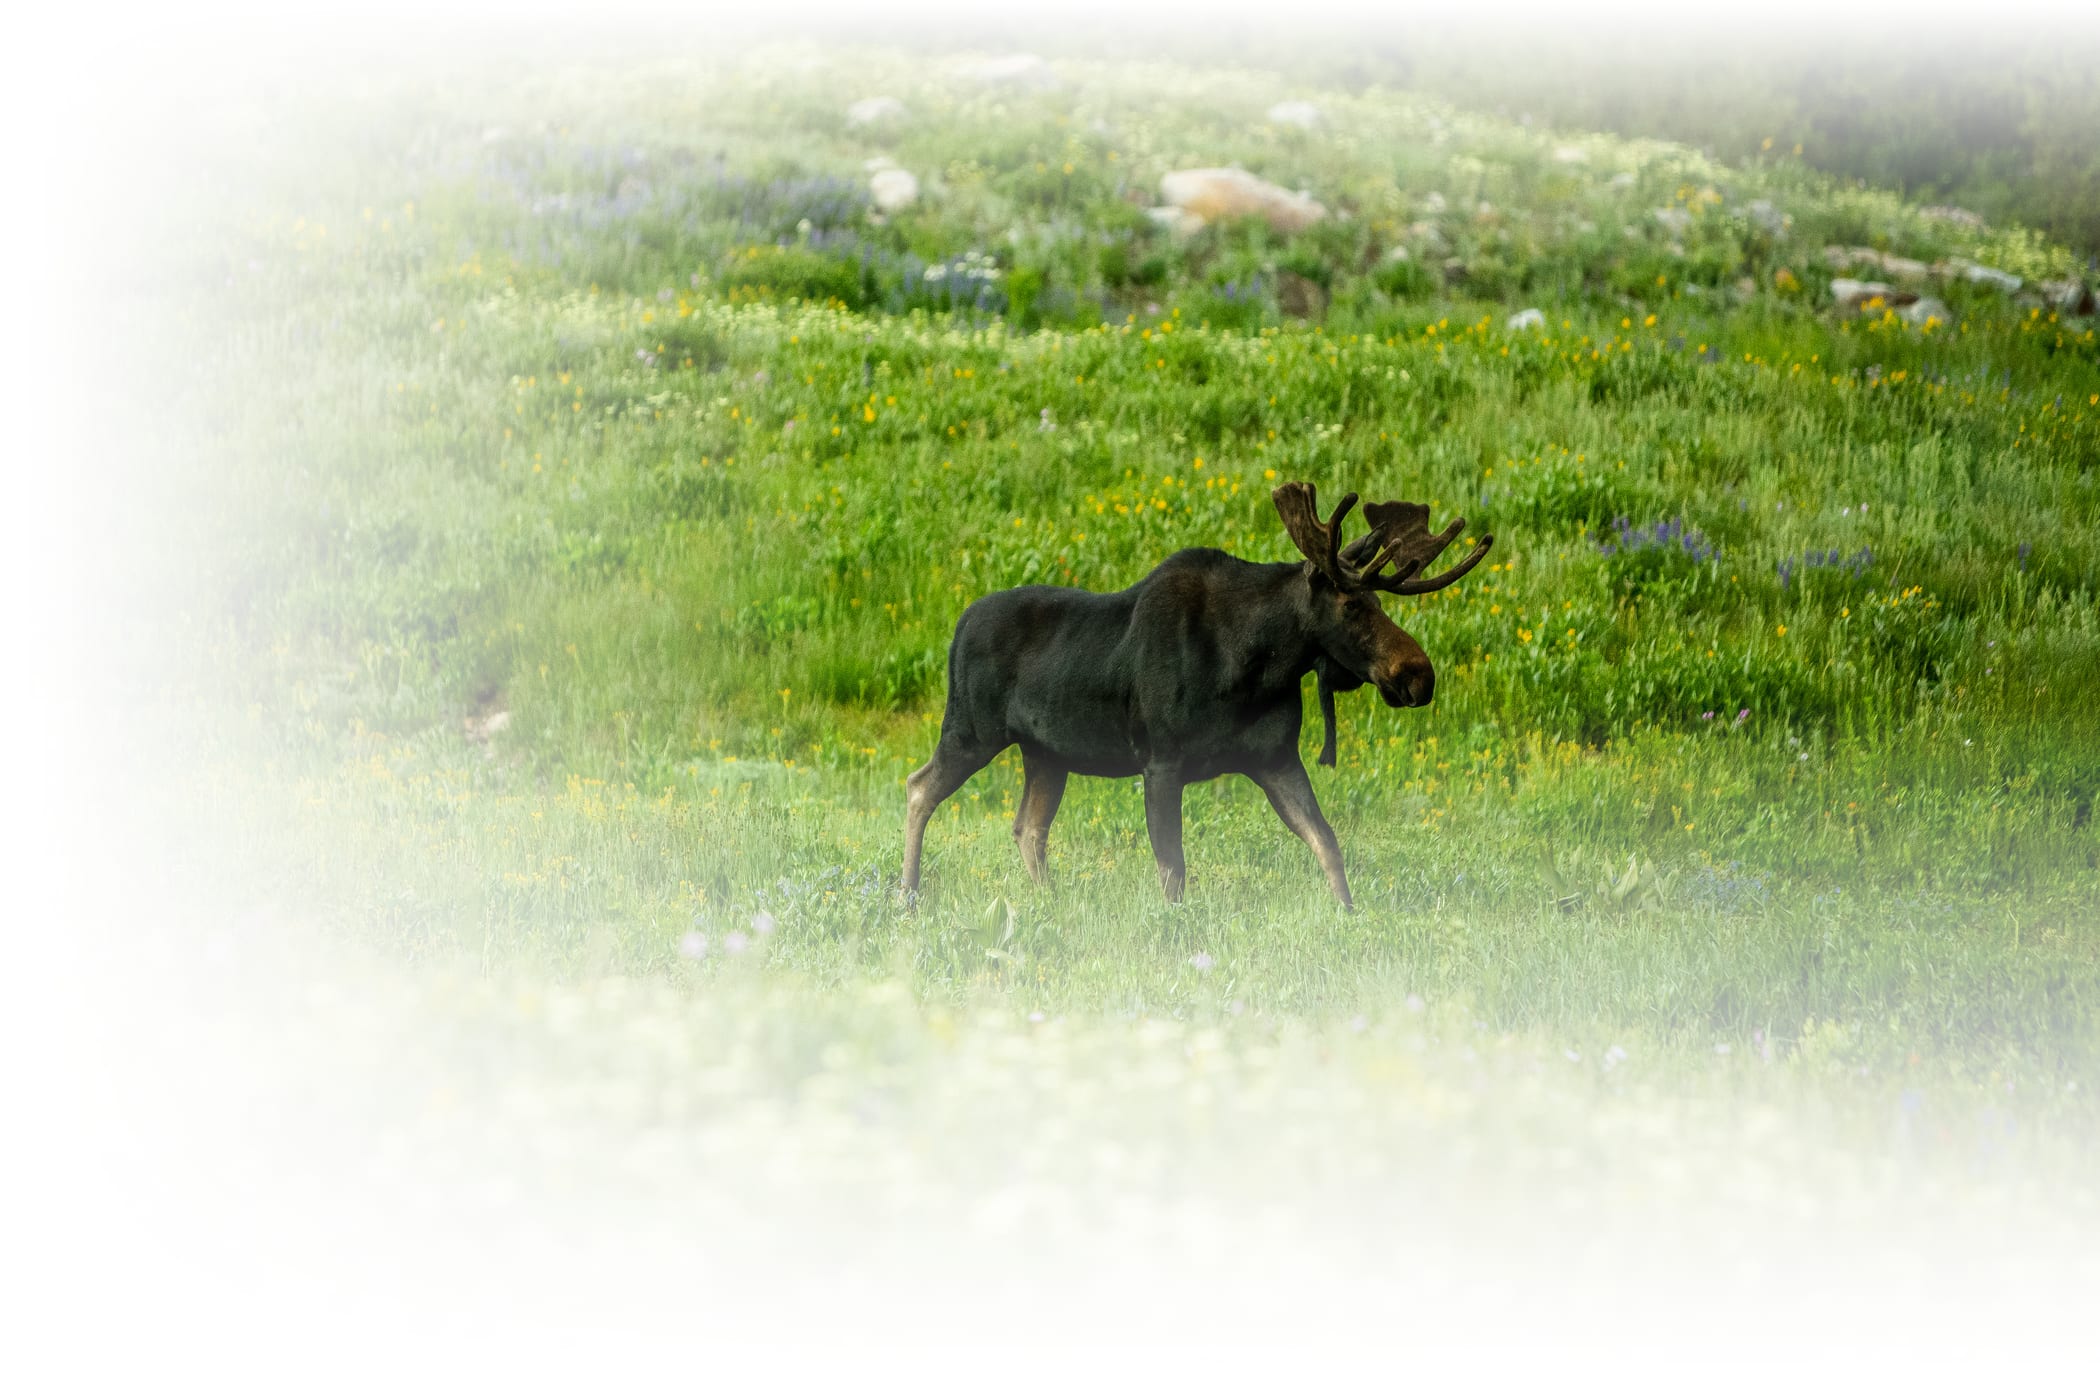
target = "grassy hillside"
x: 587, y: 480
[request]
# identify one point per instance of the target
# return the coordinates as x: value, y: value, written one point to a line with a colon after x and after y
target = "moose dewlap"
x: 1190, y: 673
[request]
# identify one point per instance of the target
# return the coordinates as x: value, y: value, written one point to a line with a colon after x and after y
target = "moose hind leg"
x: 1290, y: 792
x: 1163, y: 824
x: 950, y: 767
x: 1042, y: 788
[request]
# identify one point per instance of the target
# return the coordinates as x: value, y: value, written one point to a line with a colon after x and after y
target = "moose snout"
x: 1408, y: 687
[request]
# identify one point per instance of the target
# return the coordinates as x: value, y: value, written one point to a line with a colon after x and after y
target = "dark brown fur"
x: 1192, y: 672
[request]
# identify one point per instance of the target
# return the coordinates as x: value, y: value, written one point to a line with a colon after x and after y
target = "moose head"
x: 1359, y: 644
x: 1190, y: 673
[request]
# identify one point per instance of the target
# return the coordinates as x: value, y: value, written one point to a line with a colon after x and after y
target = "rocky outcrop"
x: 893, y: 189
x: 2069, y: 297
x: 1225, y: 193
x: 1854, y: 296
x: 1179, y: 222
x: 1987, y: 276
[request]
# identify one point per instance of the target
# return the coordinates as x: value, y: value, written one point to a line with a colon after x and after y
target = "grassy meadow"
x: 576, y: 480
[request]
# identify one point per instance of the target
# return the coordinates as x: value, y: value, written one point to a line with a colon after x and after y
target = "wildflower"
x: 1202, y: 962
x: 763, y: 923
x: 693, y: 945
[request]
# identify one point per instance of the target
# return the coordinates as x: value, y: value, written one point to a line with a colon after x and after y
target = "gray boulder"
x: 2069, y: 297
x: 1853, y: 296
x: 1991, y: 277
x: 1221, y: 193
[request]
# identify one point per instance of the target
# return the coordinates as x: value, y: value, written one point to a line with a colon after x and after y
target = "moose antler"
x: 1298, y: 502
x: 1400, y: 534
x: 1399, y: 537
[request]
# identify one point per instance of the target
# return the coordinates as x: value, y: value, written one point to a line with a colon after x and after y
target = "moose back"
x: 1190, y: 673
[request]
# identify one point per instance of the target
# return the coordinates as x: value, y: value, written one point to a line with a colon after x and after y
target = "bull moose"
x: 1190, y: 673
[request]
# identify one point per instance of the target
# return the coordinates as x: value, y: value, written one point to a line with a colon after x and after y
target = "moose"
x: 1190, y: 673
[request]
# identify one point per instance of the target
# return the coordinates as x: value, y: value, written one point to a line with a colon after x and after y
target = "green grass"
x: 547, y: 422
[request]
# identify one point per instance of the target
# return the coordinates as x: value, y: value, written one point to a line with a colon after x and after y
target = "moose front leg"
x: 1290, y: 792
x: 1042, y: 788
x: 1163, y: 824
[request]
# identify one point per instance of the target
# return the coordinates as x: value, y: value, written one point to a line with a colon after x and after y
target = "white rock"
x: 893, y: 190
x: 1762, y: 213
x: 2070, y: 297
x: 1022, y: 70
x: 1991, y: 277
x: 1222, y: 193
x: 1852, y: 295
x: 1895, y: 265
x: 1529, y: 319
x: 870, y: 110
x: 1926, y: 309
x: 1303, y: 115
x: 1179, y: 222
